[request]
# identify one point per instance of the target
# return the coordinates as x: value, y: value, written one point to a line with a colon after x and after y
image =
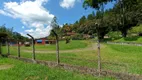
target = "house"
x: 44, y: 41
x: 40, y: 41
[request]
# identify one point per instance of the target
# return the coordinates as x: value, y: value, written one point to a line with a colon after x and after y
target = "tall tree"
x: 91, y: 16
x: 127, y: 9
x: 82, y: 20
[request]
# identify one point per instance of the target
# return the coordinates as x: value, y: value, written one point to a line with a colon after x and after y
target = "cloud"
x: 40, y: 31
x: 29, y: 31
x: 32, y: 14
x: 68, y: 3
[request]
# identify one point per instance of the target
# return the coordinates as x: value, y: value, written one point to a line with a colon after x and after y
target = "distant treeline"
x: 125, y: 15
x: 11, y: 34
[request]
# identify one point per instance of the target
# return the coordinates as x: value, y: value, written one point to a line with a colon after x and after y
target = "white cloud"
x: 32, y: 14
x: 29, y: 31
x: 39, y: 31
x: 68, y: 3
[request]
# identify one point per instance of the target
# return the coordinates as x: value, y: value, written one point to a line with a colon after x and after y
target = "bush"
x: 67, y: 38
x: 51, y: 38
x: 114, y: 35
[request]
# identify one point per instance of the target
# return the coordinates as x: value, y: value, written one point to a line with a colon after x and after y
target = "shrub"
x: 114, y: 35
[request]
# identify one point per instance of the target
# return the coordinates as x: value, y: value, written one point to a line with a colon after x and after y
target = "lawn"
x: 19, y: 70
x: 117, y: 58
x: 62, y: 45
x: 124, y: 54
x: 130, y: 39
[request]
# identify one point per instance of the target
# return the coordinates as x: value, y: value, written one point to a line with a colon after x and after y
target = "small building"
x: 44, y: 41
x: 40, y: 41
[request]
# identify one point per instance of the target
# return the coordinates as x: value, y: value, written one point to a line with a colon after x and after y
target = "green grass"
x: 4, y: 49
x: 117, y: 58
x: 74, y: 44
x: 124, y: 54
x: 135, y: 39
x: 27, y: 71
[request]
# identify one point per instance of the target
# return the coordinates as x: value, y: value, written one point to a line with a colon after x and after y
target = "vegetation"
x: 121, y: 17
x: 124, y: 16
x: 122, y: 23
x: 11, y: 34
x: 117, y: 58
x: 26, y: 71
x: 77, y: 44
x: 128, y: 55
x: 136, y: 30
x: 130, y: 39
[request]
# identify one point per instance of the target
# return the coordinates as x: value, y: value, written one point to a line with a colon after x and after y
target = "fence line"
x: 83, y: 70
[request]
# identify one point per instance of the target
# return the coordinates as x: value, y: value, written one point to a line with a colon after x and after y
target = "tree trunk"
x: 124, y: 33
x: 101, y: 36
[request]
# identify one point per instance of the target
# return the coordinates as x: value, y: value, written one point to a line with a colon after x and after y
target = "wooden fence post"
x: 18, y: 47
x: 57, y: 47
x: 8, y: 50
x: 98, y: 45
x: 33, y: 45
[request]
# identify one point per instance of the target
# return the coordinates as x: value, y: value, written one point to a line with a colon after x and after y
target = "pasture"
x: 26, y: 71
x: 116, y: 58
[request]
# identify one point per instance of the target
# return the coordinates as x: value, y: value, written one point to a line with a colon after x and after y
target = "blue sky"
x: 34, y: 16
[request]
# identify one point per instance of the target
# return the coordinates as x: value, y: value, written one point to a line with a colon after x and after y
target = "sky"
x: 34, y: 16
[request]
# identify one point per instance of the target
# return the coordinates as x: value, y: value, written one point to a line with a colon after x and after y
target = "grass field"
x: 63, y: 46
x: 19, y: 70
x: 117, y: 58
x: 130, y: 39
x: 124, y: 54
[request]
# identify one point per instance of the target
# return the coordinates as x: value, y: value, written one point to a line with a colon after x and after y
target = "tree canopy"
x: 12, y: 35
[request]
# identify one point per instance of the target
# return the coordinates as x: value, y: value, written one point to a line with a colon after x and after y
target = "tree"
x: 96, y: 4
x: 9, y: 31
x: 91, y: 16
x: 75, y: 27
x: 128, y: 14
x: 11, y: 34
x: 82, y: 20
